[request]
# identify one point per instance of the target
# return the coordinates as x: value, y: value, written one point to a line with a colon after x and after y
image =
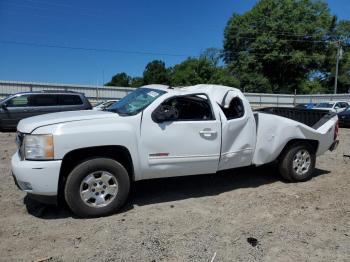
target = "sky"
x: 88, y: 41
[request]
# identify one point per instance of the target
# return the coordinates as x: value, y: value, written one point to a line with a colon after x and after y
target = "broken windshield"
x: 136, y: 101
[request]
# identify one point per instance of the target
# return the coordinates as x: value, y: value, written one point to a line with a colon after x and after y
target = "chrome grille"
x: 19, y: 139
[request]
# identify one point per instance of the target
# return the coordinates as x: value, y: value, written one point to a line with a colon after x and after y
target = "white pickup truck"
x: 90, y: 157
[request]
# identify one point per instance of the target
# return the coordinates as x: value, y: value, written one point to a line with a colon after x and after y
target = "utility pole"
x: 339, y: 56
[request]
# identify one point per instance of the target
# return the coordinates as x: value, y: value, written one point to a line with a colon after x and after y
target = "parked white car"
x: 90, y: 158
x: 104, y: 105
x: 334, y: 106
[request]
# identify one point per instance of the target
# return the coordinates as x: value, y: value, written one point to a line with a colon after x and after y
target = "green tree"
x: 344, y: 74
x: 194, y: 71
x: 120, y: 79
x: 136, y: 82
x: 212, y: 54
x: 222, y: 76
x: 340, y: 36
x: 313, y: 86
x: 274, y: 46
x: 155, y: 73
x: 328, y: 77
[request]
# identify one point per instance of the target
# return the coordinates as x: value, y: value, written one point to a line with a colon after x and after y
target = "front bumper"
x: 36, y: 177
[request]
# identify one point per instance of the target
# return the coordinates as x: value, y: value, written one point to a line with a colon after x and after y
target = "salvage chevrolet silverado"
x: 90, y: 157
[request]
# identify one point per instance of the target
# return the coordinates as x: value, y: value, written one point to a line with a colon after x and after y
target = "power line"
x: 241, y: 37
x: 74, y: 10
x: 271, y: 54
x: 10, y: 42
x: 284, y: 33
x: 99, y: 21
x: 39, y: 35
x: 247, y: 32
x: 43, y: 8
x: 69, y: 7
x: 295, y: 35
x: 296, y: 40
x: 287, y: 40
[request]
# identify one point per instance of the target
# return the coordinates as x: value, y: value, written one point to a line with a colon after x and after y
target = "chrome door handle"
x: 207, y: 133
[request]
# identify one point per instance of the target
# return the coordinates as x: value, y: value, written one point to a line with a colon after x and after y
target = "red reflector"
x: 336, y: 130
x: 159, y: 154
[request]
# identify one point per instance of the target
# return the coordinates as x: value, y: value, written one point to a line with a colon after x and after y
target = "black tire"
x: 80, y: 172
x: 286, y: 162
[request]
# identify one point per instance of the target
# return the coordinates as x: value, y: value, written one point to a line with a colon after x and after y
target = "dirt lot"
x: 191, y: 218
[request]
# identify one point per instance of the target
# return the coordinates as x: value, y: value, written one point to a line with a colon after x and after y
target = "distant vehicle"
x: 305, y: 106
x: 22, y: 105
x: 104, y: 105
x: 89, y: 158
x: 344, y: 117
x: 334, y: 106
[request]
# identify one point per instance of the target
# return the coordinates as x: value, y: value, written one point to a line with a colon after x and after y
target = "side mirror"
x: 165, y: 113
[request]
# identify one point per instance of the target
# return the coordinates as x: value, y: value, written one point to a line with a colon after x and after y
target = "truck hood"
x: 29, y: 124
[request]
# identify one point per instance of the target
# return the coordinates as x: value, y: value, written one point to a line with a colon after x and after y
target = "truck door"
x: 186, y: 143
x: 238, y: 132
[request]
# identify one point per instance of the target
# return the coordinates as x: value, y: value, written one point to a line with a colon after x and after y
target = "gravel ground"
x: 248, y: 214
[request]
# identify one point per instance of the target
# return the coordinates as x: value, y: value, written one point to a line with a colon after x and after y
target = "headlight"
x: 38, y: 147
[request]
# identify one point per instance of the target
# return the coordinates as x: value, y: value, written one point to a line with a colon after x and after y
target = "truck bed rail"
x: 311, y: 117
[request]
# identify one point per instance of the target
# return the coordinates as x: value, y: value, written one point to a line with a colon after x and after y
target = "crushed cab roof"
x: 218, y: 93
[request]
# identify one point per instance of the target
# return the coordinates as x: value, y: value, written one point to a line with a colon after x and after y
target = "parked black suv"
x: 22, y: 105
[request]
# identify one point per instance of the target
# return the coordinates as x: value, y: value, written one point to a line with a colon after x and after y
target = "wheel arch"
x: 74, y: 157
x: 313, y: 143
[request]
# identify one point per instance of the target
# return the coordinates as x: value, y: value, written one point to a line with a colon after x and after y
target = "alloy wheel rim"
x: 301, y: 162
x: 98, y: 189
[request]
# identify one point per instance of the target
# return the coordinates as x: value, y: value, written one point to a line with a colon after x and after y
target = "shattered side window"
x: 191, y: 107
x: 235, y: 110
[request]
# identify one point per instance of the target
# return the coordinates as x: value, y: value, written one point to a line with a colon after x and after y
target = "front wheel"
x: 97, y: 187
x: 297, y: 163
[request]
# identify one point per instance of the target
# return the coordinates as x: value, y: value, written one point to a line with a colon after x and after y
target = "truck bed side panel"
x: 274, y: 132
x: 306, y: 116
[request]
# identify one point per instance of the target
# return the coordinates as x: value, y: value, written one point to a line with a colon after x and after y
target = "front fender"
x: 93, y: 133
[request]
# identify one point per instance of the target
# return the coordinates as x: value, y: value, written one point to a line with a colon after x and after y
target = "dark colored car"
x: 344, y: 117
x: 22, y: 105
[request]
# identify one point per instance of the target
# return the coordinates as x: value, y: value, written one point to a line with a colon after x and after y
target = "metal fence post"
x: 260, y: 100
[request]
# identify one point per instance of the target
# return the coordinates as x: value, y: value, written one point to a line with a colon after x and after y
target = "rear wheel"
x: 97, y: 187
x: 297, y: 163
